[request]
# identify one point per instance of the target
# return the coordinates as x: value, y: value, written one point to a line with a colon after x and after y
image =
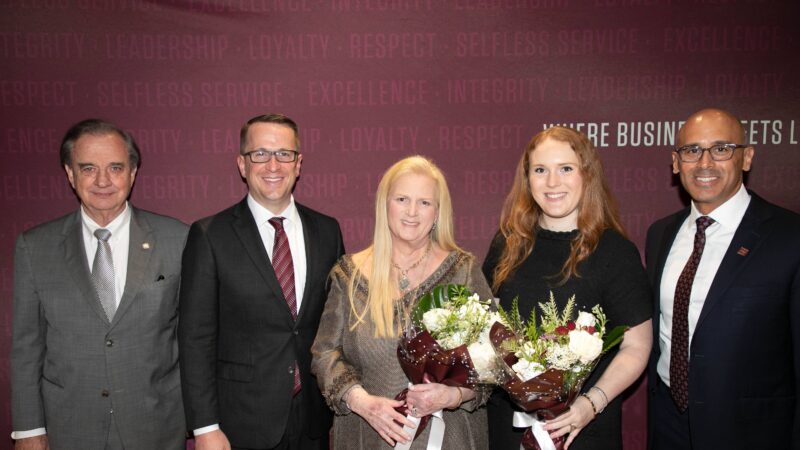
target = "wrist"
x: 591, y: 402
x: 350, y: 396
x: 207, y: 437
x: 459, y: 398
x: 603, y: 398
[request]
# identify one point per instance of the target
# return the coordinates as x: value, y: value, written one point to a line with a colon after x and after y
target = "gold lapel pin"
x: 146, y: 246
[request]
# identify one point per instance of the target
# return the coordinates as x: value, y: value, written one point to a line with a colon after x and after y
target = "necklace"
x: 402, y: 281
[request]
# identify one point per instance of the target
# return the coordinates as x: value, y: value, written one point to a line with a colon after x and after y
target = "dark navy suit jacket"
x: 744, y: 369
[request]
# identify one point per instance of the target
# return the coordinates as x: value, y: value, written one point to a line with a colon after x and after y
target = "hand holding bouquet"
x: 447, y: 341
x: 547, y: 362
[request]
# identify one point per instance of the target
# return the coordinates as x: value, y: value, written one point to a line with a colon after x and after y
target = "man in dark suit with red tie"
x: 725, y: 368
x: 254, y: 288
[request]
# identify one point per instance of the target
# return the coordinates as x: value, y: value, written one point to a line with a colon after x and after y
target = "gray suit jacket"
x: 70, y: 367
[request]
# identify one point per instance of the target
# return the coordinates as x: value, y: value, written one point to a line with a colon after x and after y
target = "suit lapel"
x: 747, y: 236
x: 663, y: 247
x: 138, y: 262
x: 78, y: 266
x: 310, y: 231
x: 246, y: 230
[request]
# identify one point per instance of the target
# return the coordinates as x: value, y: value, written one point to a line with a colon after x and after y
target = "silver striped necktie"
x: 103, y: 273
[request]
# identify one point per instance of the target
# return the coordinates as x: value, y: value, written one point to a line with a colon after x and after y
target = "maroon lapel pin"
x: 742, y: 251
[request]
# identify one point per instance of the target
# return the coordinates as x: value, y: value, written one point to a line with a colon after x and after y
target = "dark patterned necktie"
x: 284, y: 271
x: 103, y: 273
x: 679, y: 359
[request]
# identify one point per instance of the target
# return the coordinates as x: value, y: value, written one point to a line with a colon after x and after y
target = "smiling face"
x: 556, y: 184
x: 711, y: 183
x: 270, y: 183
x: 101, y: 174
x: 412, y: 207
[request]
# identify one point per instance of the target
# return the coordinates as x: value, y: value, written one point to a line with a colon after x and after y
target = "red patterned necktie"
x: 679, y: 359
x: 284, y: 271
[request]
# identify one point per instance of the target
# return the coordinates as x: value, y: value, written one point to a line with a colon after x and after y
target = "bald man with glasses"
x: 724, y: 372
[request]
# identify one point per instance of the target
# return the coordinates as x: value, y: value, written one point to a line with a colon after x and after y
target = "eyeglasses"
x: 263, y: 156
x: 718, y: 152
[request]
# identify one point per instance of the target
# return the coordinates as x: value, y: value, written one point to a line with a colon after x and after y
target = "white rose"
x: 586, y: 346
x: 484, y: 360
x: 434, y: 319
x: 585, y: 320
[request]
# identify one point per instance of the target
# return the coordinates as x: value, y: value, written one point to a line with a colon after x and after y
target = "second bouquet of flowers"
x: 547, y: 361
x: 447, y: 341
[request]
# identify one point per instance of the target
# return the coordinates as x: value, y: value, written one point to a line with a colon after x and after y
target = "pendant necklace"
x: 402, y: 281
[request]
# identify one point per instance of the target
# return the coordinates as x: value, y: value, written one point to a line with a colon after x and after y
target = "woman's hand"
x: 623, y: 370
x: 424, y: 399
x: 380, y: 413
x: 579, y: 415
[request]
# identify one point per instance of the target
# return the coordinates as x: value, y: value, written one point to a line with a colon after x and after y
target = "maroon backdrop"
x: 466, y: 82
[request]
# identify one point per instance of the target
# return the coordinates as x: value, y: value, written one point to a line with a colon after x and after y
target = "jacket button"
x: 296, y: 332
x: 105, y: 393
x: 291, y: 369
x: 109, y: 343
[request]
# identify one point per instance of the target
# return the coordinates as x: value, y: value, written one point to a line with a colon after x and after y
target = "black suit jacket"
x: 744, y: 368
x: 238, y: 341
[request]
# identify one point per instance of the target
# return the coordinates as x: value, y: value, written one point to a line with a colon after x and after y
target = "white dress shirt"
x: 119, y: 241
x: 718, y: 238
x: 294, y: 232
x: 293, y: 227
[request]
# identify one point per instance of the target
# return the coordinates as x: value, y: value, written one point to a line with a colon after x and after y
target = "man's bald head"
x: 711, y: 118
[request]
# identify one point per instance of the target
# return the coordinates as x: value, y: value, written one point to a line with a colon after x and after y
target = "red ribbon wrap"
x: 544, y: 395
x: 424, y: 361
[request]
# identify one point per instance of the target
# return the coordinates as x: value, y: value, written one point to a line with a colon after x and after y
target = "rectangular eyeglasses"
x: 718, y: 152
x: 263, y: 156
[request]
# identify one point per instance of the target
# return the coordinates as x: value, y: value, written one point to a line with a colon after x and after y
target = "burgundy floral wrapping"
x: 544, y: 395
x: 424, y: 361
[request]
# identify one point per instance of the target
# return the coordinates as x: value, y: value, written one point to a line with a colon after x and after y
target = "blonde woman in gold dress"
x: 355, y: 352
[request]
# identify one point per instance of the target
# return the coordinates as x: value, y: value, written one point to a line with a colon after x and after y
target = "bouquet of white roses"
x: 447, y: 341
x: 463, y: 319
x: 548, y: 360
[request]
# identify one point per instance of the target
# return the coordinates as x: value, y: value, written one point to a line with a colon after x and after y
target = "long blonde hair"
x: 597, y: 210
x: 380, y: 298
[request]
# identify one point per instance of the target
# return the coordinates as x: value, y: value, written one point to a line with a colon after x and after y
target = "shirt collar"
x: 262, y: 215
x: 122, y: 220
x: 727, y: 214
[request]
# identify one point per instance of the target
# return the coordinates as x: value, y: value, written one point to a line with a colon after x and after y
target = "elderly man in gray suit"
x: 94, y: 359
